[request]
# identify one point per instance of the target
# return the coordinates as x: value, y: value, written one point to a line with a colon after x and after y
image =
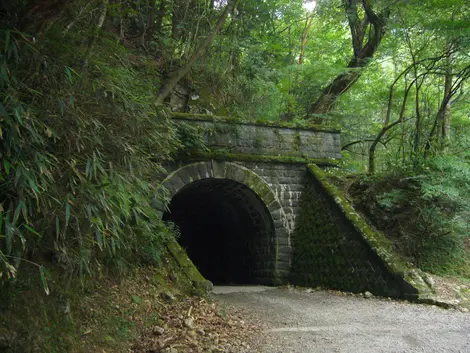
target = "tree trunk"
x: 308, y: 25
x: 454, y: 85
x: 330, y: 94
x: 447, y: 116
x: 417, y: 138
x: 122, y: 33
x: 99, y: 25
x: 387, y: 127
x: 440, y: 118
x: 151, y: 20
x: 148, y: 16
x: 374, y: 144
x: 362, y: 53
x: 177, y: 19
x: 170, y: 83
x: 75, y: 19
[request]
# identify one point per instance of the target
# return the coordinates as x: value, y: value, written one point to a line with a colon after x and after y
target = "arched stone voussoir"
x: 249, y: 178
x: 186, y: 175
x: 274, y: 205
x: 220, y: 170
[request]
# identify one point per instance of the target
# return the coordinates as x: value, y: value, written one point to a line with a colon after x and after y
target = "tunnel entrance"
x: 226, y: 230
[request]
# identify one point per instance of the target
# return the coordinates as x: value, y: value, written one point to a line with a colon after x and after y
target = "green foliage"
x: 426, y: 210
x: 191, y: 137
x: 79, y: 154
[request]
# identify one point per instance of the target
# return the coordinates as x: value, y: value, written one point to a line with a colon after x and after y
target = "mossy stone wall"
x: 265, y: 138
x: 333, y: 249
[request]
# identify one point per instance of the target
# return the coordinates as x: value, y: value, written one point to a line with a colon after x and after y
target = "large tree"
x: 368, y: 28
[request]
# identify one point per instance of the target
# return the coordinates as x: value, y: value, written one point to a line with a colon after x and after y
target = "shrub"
x: 425, y: 209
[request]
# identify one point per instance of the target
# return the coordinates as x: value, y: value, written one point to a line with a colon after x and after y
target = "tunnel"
x: 226, y: 230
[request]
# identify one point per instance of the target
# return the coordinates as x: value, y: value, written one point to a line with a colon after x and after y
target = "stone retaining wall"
x: 335, y: 248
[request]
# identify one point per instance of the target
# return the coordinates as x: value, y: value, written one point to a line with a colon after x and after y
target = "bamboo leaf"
x: 88, y: 173
x: 18, y: 209
x: 32, y: 230
x: 44, y: 273
x: 20, y: 235
x: 3, y: 111
x: 57, y: 226
x: 88, y: 212
x: 67, y: 214
x: 99, y: 239
x: 9, y: 232
x: 68, y: 73
x: 7, y: 166
x: 18, y: 115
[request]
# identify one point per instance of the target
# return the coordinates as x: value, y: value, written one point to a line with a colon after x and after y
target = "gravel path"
x: 301, y: 321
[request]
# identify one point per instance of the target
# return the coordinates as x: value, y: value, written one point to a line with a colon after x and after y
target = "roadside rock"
x: 189, y: 323
x: 168, y: 296
x: 157, y: 330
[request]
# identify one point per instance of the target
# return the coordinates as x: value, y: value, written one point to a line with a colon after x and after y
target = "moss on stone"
x: 297, y: 142
x: 234, y: 120
x: 258, y: 142
x: 226, y: 155
x: 189, y: 269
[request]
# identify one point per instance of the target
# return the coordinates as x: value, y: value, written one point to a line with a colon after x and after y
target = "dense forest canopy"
x: 87, y: 87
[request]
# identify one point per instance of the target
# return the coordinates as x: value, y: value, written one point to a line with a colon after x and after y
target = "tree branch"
x: 170, y: 83
x: 345, y: 147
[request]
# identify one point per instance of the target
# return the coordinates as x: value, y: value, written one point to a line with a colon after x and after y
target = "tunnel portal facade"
x: 236, y: 204
x: 255, y: 206
x: 232, y: 222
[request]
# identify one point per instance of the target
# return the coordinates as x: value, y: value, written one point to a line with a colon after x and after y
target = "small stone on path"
x: 189, y: 323
x: 157, y: 330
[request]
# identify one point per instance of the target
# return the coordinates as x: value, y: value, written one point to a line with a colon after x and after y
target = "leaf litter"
x: 197, y: 325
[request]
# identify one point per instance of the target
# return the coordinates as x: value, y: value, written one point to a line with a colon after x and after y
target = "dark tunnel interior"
x: 226, y: 230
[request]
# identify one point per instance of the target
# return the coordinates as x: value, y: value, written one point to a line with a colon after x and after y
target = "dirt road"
x: 303, y: 322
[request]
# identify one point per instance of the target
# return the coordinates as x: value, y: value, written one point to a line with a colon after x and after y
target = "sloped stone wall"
x: 334, y: 248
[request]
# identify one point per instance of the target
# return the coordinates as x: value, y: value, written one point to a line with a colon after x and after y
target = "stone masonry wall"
x: 335, y: 248
x: 318, y: 239
x: 255, y: 138
x: 275, y: 152
x: 287, y: 181
x: 330, y: 254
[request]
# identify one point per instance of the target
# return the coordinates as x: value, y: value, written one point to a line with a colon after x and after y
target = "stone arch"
x: 200, y: 174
